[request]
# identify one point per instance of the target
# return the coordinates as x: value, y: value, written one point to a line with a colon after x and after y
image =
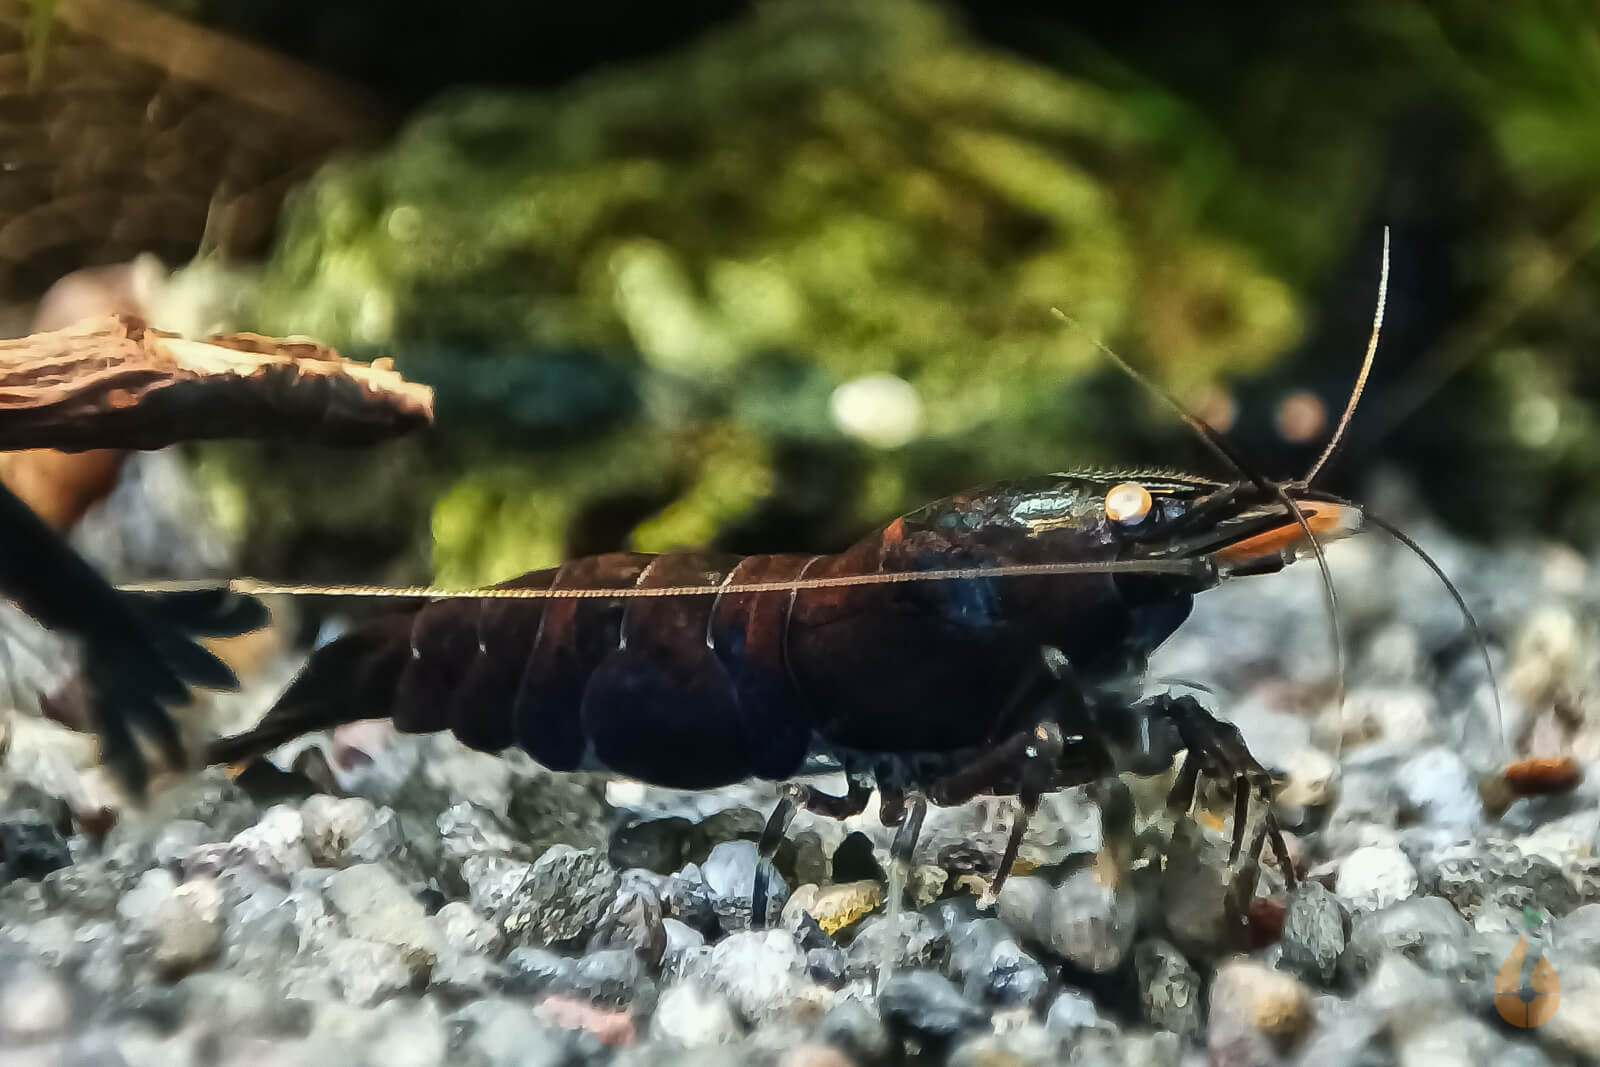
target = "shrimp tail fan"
x: 141, y: 650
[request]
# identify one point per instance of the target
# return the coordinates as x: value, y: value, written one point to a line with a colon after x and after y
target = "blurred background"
x: 765, y: 274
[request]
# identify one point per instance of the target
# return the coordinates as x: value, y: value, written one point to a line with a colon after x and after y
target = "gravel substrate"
x: 453, y: 908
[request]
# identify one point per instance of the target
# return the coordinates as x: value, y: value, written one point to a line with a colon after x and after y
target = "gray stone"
x: 504, y: 1033
x: 30, y: 846
x: 209, y: 797
x: 171, y: 845
x: 1071, y: 1011
x: 467, y: 831
x: 340, y: 831
x: 1089, y: 924
x: 680, y: 939
x: 1194, y: 893
x: 659, y: 845
x: 827, y: 965
x: 529, y: 970
x: 1578, y: 933
x: 414, y: 1037
x: 854, y: 1027
x: 565, y: 894
x: 1316, y: 929
x: 909, y: 941
x: 1024, y: 906
x: 275, y: 845
x: 493, y: 881
x: 971, y: 939
x: 614, y: 978
x: 687, y: 899
x: 367, y: 972
x: 761, y: 972
x: 1425, y: 929
x: 1027, y: 1045
x: 928, y: 1006
x: 233, y: 1004
x: 1475, y: 880
x: 633, y: 921
x: 262, y: 934
x: 1169, y: 989
x: 1007, y: 978
x: 375, y: 907
x: 730, y: 876
x: 1437, y: 787
x: 690, y: 1016
x: 459, y: 976
x: 464, y: 930
x: 91, y: 889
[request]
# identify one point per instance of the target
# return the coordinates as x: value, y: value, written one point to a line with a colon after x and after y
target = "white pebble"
x: 1375, y: 877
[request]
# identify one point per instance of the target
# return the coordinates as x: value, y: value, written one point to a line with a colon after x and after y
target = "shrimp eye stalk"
x: 1128, y: 503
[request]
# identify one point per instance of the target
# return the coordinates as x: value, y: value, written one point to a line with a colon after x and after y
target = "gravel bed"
x: 425, y: 905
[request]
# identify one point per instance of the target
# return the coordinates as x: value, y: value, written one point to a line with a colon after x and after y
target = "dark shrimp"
x: 982, y: 645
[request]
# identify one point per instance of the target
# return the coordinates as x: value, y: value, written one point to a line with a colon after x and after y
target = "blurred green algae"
x: 823, y: 193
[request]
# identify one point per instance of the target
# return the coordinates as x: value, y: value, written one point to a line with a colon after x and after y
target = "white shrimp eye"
x: 1128, y: 503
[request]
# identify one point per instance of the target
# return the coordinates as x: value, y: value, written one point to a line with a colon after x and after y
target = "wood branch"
x: 114, y: 382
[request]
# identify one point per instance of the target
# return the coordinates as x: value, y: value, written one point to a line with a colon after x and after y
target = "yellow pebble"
x: 840, y: 906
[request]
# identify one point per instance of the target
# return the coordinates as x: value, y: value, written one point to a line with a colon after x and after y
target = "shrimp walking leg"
x: 797, y: 795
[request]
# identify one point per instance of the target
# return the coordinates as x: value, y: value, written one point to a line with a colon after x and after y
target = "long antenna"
x: 1198, y: 568
x: 1478, y: 639
x: 1366, y: 369
x: 1208, y: 435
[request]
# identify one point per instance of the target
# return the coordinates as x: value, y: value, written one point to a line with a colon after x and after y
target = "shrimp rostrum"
x: 991, y: 643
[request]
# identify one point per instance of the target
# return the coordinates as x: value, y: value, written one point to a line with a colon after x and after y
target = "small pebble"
x: 928, y: 1006
x: 1437, y: 787
x: 34, y: 1005
x: 30, y: 847
x: 813, y: 1056
x: 376, y: 907
x: 187, y: 927
x: 689, y: 1015
x: 1090, y: 924
x: 1071, y: 1011
x: 633, y: 921
x: 275, y: 845
x: 855, y: 1027
x: 1374, y: 877
x: 464, y: 930
x: 1246, y: 995
x: 1316, y: 929
x: 564, y: 895
x: 613, y: 1028
x: 761, y: 972
x: 838, y: 907
x: 1169, y: 989
x: 907, y: 941
x: 730, y: 876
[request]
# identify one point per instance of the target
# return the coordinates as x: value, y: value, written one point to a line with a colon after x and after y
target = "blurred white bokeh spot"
x: 880, y: 409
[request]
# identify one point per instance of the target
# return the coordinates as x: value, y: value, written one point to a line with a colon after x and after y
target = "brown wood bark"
x: 114, y: 382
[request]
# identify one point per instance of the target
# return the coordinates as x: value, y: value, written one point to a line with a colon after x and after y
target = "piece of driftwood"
x: 114, y: 382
